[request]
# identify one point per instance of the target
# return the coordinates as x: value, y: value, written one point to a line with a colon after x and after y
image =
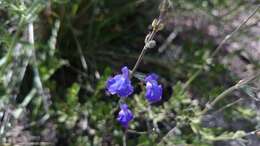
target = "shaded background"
x: 53, y: 93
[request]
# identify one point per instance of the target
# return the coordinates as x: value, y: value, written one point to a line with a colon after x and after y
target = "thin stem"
x: 221, y: 44
x: 251, y: 133
x: 254, y: 132
x: 226, y: 92
x: 137, y: 132
x: 31, y: 33
x: 138, y: 60
x: 150, y: 37
x: 82, y: 57
x: 156, y: 27
x: 219, y: 97
x: 167, y: 135
x: 125, y: 137
x: 37, y: 78
x: 187, y: 83
x: 239, y: 85
x: 228, y: 105
x: 151, y: 116
x: 168, y: 41
x: 234, y: 31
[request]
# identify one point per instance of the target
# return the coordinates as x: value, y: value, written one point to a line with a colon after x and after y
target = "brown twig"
x: 239, y: 85
x: 157, y: 25
x: 148, y: 44
x: 209, y: 106
x: 227, y: 37
x: 228, y: 105
x: 167, y: 135
x: 231, y: 89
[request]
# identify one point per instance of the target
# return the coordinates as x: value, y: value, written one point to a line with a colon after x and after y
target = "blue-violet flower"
x: 153, y: 90
x: 124, y: 115
x: 120, y: 84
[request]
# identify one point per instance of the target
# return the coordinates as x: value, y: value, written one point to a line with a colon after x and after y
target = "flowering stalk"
x: 149, y: 42
x: 120, y: 84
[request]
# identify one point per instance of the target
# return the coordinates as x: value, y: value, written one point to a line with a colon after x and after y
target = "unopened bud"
x: 154, y: 23
x: 160, y: 27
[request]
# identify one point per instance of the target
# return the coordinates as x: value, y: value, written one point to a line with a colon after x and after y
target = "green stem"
x: 215, y: 52
x: 239, y: 85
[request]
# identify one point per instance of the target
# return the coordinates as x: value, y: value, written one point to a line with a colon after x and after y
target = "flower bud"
x: 154, y: 23
x: 151, y: 44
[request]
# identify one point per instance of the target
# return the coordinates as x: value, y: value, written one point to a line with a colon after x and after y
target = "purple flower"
x: 120, y: 84
x: 124, y: 115
x: 153, y: 90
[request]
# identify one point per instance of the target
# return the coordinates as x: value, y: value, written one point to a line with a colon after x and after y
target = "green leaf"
x: 72, y: 95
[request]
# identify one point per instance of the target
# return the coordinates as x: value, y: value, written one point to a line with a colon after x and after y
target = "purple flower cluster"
x: 125, y: 115
x: 121, y: 85
x: 153, y: 90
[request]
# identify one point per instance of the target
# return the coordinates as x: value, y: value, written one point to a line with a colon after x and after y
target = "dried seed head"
x: 157, y: 25
x: 160, y: 27
x: 151, y: 44
x: 154, y: 23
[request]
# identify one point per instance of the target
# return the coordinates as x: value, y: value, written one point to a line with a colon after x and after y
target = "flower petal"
x: 125, y: 72
x: 120, y: 84
x: 124, y: 115
x: 151, y: 77
x: 153, y: 90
